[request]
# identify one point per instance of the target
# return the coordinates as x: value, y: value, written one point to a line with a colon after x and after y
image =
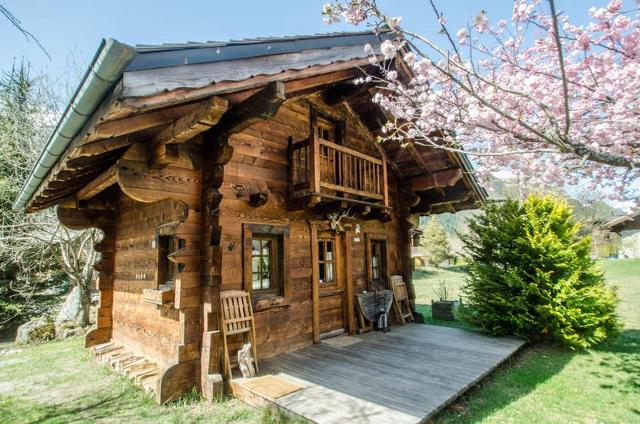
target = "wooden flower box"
x: 159, y: 297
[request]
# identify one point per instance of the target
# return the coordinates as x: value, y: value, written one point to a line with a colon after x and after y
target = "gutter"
x: 105, y: 70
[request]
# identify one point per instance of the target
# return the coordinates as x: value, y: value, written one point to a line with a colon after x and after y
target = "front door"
x: 330, y: 260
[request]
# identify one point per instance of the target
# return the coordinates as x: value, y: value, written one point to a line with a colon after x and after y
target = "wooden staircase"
x: 142, y: 371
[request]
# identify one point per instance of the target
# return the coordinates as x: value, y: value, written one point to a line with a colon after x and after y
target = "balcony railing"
x: 323, y: 167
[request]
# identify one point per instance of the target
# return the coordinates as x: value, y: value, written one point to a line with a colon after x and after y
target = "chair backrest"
x: 237, y: 312
x: 399, y: 287
x: 396, y: 279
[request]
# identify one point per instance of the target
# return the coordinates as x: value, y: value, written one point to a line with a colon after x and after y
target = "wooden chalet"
x: 236, y: 166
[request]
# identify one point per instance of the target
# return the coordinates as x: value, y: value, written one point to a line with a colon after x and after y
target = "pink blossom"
x: 506, y: 105
x: 614, y: 6
x: 481, y: 22
x: 388, y: 49
x: 462, y: 35
x: 410, y: 58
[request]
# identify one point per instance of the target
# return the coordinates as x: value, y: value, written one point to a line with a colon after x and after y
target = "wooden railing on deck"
x: 326, y: 165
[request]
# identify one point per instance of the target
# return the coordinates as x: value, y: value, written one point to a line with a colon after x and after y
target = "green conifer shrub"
x: 531, y: 275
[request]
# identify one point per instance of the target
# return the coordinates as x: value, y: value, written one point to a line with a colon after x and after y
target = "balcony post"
x: 314, y: 150
x: 385, y: 185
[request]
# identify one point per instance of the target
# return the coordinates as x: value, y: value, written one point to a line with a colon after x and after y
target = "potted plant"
x: 442, y: 309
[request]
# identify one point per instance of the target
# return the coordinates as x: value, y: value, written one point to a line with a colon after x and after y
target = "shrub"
x: 43, y: 333
x: 531, y: 275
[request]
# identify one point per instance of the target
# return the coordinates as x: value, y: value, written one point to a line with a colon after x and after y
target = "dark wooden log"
x: 260, y: 106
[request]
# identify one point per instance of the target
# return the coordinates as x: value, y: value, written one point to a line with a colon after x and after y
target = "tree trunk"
x: 85, y: 300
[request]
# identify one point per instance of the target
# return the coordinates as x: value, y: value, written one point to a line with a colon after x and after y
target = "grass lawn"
x: 58, y: 382
x: 426, y: 282
x: 544, y: 384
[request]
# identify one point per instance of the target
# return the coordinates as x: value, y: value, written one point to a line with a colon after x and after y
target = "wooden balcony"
x: 322, y: 171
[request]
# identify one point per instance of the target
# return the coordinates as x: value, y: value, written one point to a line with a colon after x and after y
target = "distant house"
x: 250, y: 167
x: 627, y: 228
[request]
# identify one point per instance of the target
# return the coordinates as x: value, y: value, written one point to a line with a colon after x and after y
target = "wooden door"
x: 330, y: 280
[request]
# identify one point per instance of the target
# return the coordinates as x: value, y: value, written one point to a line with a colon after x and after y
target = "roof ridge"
x: 253, y: 40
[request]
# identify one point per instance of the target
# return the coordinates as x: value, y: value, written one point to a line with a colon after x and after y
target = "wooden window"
x: 377, y: 266
x: 376, y: 248
x: 265, y: 264
x: 326, y: 130
x: 326, y: 259
x: 265, y: 260
x: 167, y: 270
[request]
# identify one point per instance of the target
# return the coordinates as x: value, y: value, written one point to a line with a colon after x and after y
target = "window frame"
x: 279, y: 263
x: 167, y: 271
x: 370, y: 239
x: 275, y: 284
x: 322, y: 263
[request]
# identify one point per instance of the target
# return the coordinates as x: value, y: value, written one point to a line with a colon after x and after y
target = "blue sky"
x: 70, y: 30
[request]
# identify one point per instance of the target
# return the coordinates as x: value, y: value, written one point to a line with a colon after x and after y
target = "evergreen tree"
x: 531, y: 275
x: 435, y: 242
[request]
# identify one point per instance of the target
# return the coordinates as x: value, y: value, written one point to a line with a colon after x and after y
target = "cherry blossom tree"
x: 536, y: 94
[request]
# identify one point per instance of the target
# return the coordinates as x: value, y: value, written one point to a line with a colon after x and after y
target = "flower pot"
x: 442, y: 310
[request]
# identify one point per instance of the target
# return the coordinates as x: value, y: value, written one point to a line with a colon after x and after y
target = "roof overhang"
x: 129, y: 94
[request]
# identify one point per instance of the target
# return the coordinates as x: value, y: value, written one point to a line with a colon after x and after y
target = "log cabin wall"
x: 260, y: 164
x: 156, y: 203
x: 141, y: 326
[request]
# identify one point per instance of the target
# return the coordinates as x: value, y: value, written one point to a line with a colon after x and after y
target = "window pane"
x: 266, y: 247
x: 376, y: 273
x: 330, y: 272
x: 321, y: 250
x: 255, y: 247
x: 255, y: 264
x: 266, y: 282
x: 321, y: 276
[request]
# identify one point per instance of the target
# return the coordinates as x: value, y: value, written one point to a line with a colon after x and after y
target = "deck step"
x: 143, y: 372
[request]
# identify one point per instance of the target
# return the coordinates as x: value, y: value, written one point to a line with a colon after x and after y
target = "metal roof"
x: 168, y: 55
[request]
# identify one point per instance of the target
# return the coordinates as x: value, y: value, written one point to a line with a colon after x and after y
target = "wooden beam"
x: 315, y: 283
x: 194, y: 123
x: 104, y: 180
x: 260, y: 106
x: 341, y: 92
x: 165, y: 150
x: 103, y: 146
x: 351, y: 324
x: 314, y: 151
x: 441, y: 179
x: 141, y: 122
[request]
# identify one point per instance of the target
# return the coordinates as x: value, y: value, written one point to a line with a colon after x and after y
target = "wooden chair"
x: 401, y: 300
x: 237, y: 318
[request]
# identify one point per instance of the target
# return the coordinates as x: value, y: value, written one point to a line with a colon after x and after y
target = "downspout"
x: 106, y: 68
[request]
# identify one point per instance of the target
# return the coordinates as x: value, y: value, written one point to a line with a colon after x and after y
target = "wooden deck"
x: 404, y: 376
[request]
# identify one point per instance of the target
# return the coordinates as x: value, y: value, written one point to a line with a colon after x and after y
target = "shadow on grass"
x: 518, y: 376
x: 622, y: 357
x: 458, y: 322
x: 83, y: 409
